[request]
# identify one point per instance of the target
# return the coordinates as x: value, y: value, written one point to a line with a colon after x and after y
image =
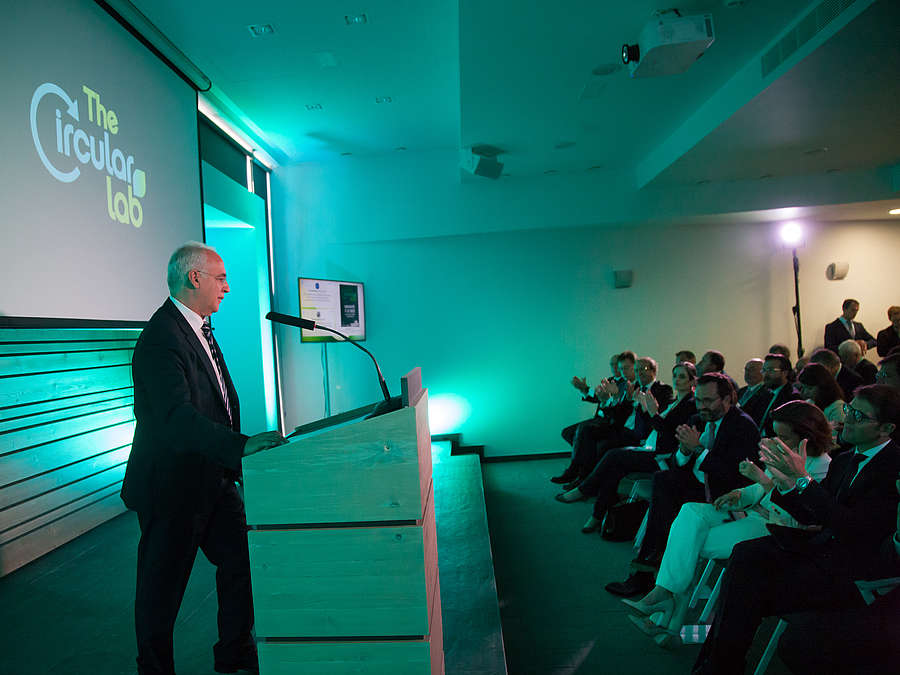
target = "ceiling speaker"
x: 481, y: 165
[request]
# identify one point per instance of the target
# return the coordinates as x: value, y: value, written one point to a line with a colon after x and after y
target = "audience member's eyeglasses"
x: 767, y: 369
x: 857, y: 416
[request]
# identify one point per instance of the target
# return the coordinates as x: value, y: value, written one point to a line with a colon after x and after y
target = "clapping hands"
x: 785, y: 465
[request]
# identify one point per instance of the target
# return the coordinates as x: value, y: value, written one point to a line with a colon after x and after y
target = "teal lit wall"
x: 502, y: 320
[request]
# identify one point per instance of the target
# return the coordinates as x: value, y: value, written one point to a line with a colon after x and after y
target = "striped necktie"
x: 217, y: 362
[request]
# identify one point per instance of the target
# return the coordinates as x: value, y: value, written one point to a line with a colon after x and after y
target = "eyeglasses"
x: 220, y: 278
x: 766, y: 369
x: 857, y: 416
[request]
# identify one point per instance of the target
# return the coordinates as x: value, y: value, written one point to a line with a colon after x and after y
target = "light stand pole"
x: 796, y: 308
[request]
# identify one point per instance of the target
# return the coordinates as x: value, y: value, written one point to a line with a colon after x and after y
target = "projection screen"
x: 101, y: 180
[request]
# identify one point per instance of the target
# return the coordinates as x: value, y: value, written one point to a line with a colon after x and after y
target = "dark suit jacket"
x: 183, y: 443
x: 666, y: 443
x: 836, y: 332
x: 848, y: 380
x: 887, y: 340
x: 620, y: 413
x: 757, y: 404
x: 786, y: 394
x: 866, y: 370
x: 736, y: 440
x: 856, y: 520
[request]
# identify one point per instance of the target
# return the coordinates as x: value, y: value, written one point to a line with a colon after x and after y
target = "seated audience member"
x: 889, y: 338
x: 845, y: 328
x: 779, y: 348
x: 588, y: 435
x: 819, y: 387
x: 659, y: 445
x: 712, y: 361
x: 865, y: 368
x: 685, y: 356
x: 754, y: 398
x: 848, y: 379
x: 862, y: 640
x: 710, y: 531
x: 706, y: 468
x: 800, y: 365
x: 851, y: 356
x: 791, y: 570
x: 889, y: 371
x: 778, y: 378
x: 580, y: 383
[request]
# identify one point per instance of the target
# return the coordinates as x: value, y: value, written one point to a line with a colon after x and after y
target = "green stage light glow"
x: 447, y: 413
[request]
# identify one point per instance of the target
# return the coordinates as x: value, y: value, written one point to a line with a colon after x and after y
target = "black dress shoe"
x: 566, y: 476
x: 248, y: 664
x: 638, y: 583
x: 574, y: 484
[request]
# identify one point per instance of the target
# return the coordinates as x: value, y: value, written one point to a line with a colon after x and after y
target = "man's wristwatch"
x: 802, y: 483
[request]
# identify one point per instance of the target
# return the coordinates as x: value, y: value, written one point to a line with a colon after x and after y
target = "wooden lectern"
x: 343, y: 547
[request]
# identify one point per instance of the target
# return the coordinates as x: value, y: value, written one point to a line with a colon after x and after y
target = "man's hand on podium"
x: 263, y: 441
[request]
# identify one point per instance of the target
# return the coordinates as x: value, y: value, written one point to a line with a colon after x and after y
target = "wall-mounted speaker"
x: 837, y: 271
x: 623, y: 278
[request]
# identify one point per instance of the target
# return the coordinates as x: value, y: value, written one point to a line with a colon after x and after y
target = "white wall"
x: 504, y: 319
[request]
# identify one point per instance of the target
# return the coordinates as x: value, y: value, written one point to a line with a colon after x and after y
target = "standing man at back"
x: 185, y: 459
x: 845, y: 328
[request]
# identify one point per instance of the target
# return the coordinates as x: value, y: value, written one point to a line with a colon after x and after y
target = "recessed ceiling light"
x: 549, y: 172
x: 346, y: 154
x: 313, y: 106
x: 765, y: 176
x: 704, y: 181
x: 400, y: 148
x: 260, y: 29
x: 383, y: 99
x: 595, y: 167
x: 815, y: 151
x: 894, y: 212
x: 355, y: 20
x: 562, y: 145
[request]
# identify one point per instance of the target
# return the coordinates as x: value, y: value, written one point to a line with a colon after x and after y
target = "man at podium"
x: 185, y: 458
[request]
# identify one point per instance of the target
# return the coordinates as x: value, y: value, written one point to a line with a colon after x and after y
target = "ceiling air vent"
x: 809, y: 26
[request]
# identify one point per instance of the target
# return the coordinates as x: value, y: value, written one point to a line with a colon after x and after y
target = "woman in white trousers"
x: 712, y: 530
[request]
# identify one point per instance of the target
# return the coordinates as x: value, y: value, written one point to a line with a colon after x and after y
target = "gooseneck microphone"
x: 300, y: 322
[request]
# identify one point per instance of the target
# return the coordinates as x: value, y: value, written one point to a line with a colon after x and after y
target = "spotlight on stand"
x: 792, y: 235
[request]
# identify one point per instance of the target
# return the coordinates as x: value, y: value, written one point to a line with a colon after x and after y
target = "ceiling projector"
x: 669, y: 44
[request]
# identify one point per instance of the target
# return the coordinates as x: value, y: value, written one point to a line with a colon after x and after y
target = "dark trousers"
x: 612, y: 468
x: 671, y: 489
x: 166, y: 554
x: 858, y: 640
x: 590, y: 441
x: 763, y: 579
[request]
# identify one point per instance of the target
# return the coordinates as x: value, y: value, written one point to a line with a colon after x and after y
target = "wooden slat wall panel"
x: 19, y: 466
x: 64, y: 411
x: 52, y: 480
x: 50, y: 386
x: 66, y: 424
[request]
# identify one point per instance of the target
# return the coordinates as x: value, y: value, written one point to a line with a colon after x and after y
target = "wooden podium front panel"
x: 371, y: 470
x: 344, y: 582
x: 410, y: 657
